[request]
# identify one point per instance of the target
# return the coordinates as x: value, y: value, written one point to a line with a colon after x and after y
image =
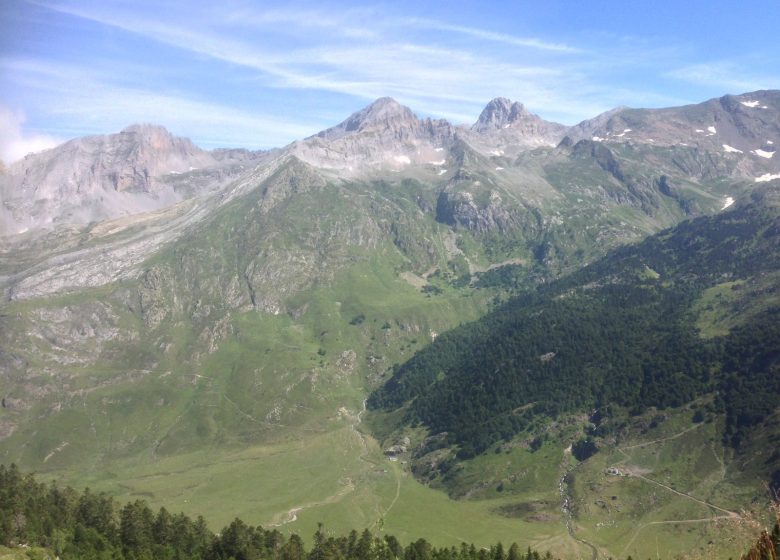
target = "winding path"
x: 292, y: 514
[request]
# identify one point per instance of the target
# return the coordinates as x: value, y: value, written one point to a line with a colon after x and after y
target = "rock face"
x: 383, y: 135
x: 505, y: 127
x: 96, y: 178
x: 743, y: 128
x: 504, y: 114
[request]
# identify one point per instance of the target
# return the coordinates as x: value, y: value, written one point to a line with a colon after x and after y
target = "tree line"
x: 92, y: 526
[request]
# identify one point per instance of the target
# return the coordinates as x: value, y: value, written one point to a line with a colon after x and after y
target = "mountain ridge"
x: 135, y: 170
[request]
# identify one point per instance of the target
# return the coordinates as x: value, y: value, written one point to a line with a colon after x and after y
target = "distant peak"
x: 385, y: 112
x: 384, y: 108
x: 385, y: 102
x: 500, y: 113
x: 144, y: 129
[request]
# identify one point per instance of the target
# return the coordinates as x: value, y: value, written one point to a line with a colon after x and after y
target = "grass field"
x: 672, y: 498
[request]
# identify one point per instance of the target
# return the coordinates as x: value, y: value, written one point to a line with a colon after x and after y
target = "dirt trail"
x: 662, y: 440
x: 637, y: 472
x: 397, y: 493
x: 729, y: 514
x: 292, y: 513
x: 349, y: 486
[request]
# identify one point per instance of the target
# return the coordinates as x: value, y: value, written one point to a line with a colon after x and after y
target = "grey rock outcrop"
x: 505, y: 128
x: 97, y: 178
x: 383, y: 135
x: 742, y: 130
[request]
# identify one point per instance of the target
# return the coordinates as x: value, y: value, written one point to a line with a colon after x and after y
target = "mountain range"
x: 192, y: 326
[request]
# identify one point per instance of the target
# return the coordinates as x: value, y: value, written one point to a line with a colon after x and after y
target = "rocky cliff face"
x: 504, y: 114
x: 742, y: 129
x: 383, y: 136
x: 100, y: 177
x: 505, y: 128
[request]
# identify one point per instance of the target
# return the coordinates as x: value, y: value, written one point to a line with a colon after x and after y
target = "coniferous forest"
x: 619, y: 332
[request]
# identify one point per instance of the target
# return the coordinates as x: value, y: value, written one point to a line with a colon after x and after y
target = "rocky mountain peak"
x: 384, y: 113
x: 500, y: 113
x: 385, y: 133
x: 155, y: 138
x: 506, y: 127
x: 145, y: 129
x: 98, y: 177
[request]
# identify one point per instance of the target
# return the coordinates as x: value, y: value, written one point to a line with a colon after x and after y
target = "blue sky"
x: 261, y: 74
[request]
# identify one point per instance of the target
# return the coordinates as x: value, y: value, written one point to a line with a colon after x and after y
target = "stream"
x: 563, y: 488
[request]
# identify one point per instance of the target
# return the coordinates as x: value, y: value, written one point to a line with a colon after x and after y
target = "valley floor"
x: 661, y: 502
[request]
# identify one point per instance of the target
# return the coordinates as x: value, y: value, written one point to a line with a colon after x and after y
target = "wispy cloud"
x: 77, y: 94
x: 414, y: 73
x: 351, y: 23
x: 329, y: 56
x: 15, y: 141
x: 527, y: 42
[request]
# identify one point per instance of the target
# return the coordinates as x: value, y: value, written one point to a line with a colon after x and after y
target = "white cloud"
x: 15, y: 142
x: 416, y: 74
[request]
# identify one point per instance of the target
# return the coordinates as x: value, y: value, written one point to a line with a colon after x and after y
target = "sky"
x: 240, y: 73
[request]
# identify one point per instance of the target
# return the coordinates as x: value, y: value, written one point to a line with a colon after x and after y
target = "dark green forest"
x: 618, y: 332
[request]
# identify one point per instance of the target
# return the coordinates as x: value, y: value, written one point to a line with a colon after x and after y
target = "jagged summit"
x: 500, y: 113
x: 145, y: 128
x: 507, y: 127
